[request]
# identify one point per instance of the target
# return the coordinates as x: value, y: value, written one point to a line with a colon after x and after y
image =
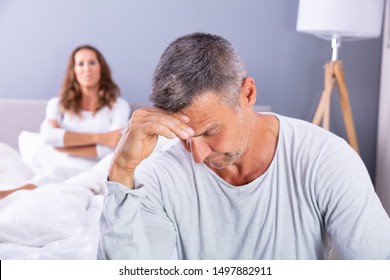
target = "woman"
x: 84, y: 123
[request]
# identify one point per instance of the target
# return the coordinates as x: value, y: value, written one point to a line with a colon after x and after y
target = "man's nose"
x: 200, y: 150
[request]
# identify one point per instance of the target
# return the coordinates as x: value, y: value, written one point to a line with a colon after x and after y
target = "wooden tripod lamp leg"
x: 319, y: 113
x: 323, y: 108
x: 328, y: 85
x: 345, y: 105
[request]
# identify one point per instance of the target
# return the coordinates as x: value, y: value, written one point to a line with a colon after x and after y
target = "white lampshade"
x: 341, y: 18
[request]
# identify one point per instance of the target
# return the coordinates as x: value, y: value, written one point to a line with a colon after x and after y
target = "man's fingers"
x: 156, y: 121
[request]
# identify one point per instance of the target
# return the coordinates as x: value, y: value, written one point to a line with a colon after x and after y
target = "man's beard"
x: 222, y: 161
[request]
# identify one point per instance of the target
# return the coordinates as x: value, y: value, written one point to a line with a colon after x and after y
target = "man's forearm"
x: 126, y: 234
x: 121, y: 175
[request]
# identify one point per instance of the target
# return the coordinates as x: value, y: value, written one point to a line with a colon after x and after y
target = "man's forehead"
x: 198, y: 118
x: 201, y: 115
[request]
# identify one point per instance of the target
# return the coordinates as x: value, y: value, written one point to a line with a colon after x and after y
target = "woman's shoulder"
x: 53, y: 103
x: 121, y: 104
x: 121, y: 101
x: 55, y: 100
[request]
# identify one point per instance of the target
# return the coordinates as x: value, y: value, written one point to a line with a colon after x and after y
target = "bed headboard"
x: 17, y: 115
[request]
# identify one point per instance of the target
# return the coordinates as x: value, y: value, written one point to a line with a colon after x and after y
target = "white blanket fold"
x: 57, y: 220
x: 51, y: 212
x: 56, y: 213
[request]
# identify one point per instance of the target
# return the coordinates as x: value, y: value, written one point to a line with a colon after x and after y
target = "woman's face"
x: 87, y: 68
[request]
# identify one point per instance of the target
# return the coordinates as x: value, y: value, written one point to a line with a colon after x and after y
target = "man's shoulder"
x: 302, y: 127
x: 308, y: 138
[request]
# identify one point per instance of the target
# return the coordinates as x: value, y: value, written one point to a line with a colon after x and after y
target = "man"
x: 241, y: 185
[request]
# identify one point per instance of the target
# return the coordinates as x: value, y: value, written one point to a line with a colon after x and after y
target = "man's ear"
x: 248, y: 92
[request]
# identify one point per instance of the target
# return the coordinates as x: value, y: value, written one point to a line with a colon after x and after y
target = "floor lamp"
x: 337, y: 20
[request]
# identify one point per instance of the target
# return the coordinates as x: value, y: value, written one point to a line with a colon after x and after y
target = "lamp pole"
x: 336, y: 44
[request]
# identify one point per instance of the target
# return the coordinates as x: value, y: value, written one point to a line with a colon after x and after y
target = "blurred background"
x: 36, y: 38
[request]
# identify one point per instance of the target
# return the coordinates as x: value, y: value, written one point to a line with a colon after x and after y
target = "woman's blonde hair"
x: 70, y: 92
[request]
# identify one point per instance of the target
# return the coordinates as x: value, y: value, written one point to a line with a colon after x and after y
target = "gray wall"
x: 36, y: 38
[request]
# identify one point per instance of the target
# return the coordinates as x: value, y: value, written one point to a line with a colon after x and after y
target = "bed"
x: 57, y: 220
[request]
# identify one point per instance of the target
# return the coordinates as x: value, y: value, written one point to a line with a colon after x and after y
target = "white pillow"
x: 34, y: 152
x: 13, y: 171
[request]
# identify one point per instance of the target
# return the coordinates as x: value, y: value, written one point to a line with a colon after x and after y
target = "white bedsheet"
x: 80, y: 243
x: 56, y: 220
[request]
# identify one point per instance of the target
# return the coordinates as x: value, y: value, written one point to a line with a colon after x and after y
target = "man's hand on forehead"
x: 176, y: 125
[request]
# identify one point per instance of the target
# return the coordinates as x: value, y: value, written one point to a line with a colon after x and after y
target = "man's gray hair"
x: 193, y: 65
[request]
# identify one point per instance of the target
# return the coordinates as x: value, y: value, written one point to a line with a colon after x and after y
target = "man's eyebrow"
x: 208, y: 130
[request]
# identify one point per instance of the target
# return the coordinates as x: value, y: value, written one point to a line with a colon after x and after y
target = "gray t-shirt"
x: 315, y: 194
